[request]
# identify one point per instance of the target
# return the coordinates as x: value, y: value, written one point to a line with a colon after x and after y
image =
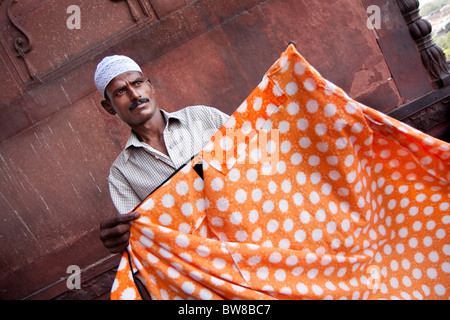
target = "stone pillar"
x: 420, y: 29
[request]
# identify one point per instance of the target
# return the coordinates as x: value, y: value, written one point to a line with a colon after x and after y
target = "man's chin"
x: 143, y: 113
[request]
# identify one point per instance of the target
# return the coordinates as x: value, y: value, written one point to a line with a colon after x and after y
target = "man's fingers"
x: 118, y: 219
x: 115, y: 231
x: 117, y: 245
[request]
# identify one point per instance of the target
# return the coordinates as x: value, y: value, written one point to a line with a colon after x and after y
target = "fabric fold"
x: 306, y: 194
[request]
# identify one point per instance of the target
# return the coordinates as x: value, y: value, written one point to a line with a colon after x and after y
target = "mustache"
x: 137, y: 102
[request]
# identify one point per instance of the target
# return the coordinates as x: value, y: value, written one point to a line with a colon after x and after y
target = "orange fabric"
x: 306, y: 194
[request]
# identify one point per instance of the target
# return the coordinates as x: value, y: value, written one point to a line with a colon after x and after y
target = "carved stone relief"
x: 41, y: 47
x: 23, y: 42
x: 140, y: 10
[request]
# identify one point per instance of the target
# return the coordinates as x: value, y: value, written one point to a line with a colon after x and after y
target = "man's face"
x: 131, y: 97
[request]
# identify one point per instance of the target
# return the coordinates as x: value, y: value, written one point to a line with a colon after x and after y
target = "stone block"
x: 165, y: 7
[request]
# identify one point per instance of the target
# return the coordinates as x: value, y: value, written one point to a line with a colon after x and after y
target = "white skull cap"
x: 110, y: 67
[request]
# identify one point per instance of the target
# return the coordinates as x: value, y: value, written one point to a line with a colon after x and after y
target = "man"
x: 159, y: 143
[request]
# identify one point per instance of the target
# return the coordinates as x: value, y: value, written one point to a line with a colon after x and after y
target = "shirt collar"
x: 133, y: 140
x: 171, y: 116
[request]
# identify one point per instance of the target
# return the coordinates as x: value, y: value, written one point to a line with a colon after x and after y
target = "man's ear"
x: 106, y: 104
x: 151, y: 85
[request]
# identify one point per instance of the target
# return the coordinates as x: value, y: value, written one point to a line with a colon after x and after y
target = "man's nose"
x: 133, y: 93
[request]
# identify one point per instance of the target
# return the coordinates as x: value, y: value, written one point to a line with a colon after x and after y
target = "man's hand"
x: 115, y: 231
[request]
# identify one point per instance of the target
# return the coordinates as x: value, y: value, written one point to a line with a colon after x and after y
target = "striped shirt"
x: 140, y: 169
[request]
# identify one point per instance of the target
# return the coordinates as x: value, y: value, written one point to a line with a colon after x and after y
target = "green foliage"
x: 447, y: 53
x: 443, y: 41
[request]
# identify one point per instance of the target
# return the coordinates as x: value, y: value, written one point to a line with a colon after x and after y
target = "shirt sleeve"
x: 219, y: 118
x: 122, y: 194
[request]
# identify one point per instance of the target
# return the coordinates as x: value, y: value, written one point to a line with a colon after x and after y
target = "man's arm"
x: 115, y: 231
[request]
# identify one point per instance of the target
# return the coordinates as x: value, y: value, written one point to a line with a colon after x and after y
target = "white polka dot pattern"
x: 356, y: 205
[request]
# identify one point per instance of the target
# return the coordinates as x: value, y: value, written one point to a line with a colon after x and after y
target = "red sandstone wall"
x: 57, y: 144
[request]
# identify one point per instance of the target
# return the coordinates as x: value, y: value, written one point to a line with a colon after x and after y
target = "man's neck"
x: 152, y: 132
